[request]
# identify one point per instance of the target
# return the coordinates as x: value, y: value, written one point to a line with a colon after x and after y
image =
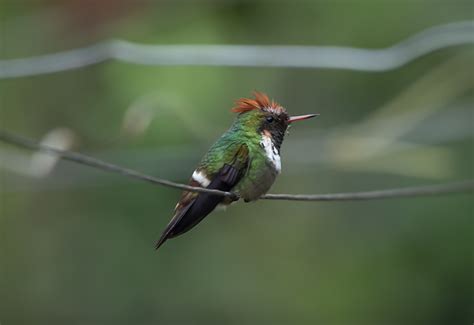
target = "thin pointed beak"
x: 301, y: 117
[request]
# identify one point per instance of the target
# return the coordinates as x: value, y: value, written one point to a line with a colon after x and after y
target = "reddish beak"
x: 301, y: 117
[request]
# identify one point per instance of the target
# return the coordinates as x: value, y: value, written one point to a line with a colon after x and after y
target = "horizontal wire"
x: 448, y: 188
x: 325, y: 57
x: 439, y: 189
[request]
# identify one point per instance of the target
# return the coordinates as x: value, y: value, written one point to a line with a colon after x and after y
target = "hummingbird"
x: 244, y: 160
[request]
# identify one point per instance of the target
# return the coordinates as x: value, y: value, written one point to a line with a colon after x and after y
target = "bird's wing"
x: 193, y: 206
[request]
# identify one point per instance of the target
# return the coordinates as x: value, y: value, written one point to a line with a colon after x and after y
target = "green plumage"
x: 245, y: 160
x: 259, y: 173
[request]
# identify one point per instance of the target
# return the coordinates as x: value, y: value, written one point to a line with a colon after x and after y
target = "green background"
x: 76, y: 246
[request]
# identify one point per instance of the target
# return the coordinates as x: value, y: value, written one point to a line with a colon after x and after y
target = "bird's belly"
x: 257, y: 181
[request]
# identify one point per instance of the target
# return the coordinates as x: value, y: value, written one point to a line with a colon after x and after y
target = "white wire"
x: 324, y: 57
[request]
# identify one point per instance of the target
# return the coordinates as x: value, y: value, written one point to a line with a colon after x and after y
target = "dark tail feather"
x: 164, y: 235
x: 163, y: 238
x: 168, y: 233
x: 201, y: 206
x: 161, y: 241
x: 190, y: 216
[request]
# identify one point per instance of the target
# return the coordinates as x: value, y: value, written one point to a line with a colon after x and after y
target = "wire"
x: 454, y: 187
x: 97, y: 163
x: 325, y: 57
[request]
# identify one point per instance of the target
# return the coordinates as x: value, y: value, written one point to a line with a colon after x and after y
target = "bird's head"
x: 266, y: 116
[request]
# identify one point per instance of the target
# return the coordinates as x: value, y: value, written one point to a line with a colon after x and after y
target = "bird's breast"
x: 264, y: 166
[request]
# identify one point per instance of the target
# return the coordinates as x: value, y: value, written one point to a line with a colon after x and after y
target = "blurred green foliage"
x: 77, y: 246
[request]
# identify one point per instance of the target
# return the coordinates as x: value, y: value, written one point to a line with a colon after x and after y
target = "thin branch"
x: 325, y: 57
x: 454, y: 187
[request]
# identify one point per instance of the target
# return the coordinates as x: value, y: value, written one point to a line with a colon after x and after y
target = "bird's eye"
x: 269, y: 119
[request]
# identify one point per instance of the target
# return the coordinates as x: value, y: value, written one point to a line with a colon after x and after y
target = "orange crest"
x: 261, y: 101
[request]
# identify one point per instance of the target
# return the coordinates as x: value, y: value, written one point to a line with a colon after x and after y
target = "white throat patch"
x: 271, y: 152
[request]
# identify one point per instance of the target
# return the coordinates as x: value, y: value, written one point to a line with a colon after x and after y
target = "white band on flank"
x: 201, y: 178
